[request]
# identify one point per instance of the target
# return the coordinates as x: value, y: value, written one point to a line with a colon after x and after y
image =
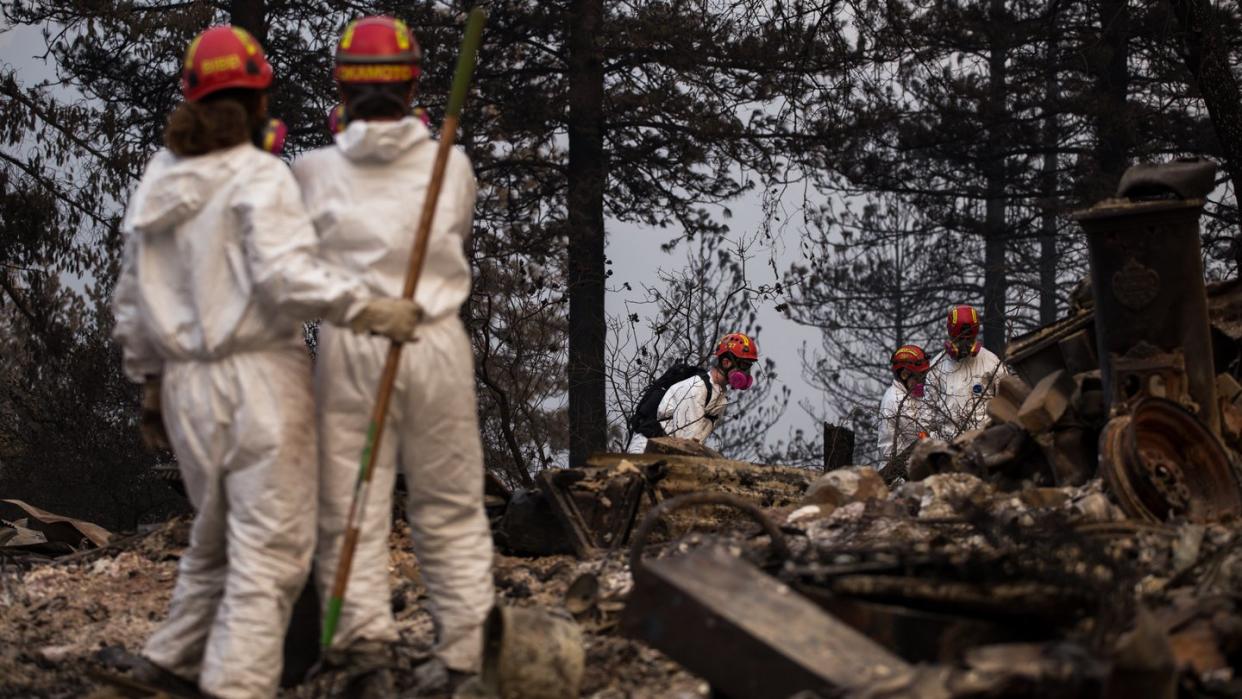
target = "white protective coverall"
x: 959, y: 391
x: 902, y: 418
x: 365, y: 195
x: 686, y: 412
x: 217, y: 276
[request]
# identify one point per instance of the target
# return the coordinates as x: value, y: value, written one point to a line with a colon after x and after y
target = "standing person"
x: 216, y: 280
x: 903, y: 411
x: 963, y: 377
x: 688, y: 401
x: 365, y: 193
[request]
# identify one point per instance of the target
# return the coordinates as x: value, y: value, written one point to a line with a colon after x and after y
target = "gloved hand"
x: 396, y: 319
x: 152, y: 424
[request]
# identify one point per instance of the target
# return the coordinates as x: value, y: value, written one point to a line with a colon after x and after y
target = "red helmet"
x: 739, y: 345
x: 963, y: 325
x: 963, y: 322
x: 911, y: 358
x: 377, y: 49
x: 222, y: 58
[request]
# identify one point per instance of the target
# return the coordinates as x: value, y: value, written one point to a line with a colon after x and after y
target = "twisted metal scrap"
x: 778, y: 544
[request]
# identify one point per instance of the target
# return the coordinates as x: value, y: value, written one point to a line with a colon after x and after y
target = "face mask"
x: 917, y: 390
x: 956, y: 353
x: 740, y: 380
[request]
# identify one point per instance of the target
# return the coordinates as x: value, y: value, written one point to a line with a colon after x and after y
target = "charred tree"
x: 1206, y: 53
x: 250, y: 15
x: 1113, y: 124
x: 588, y: 420
x: 1048, y: 181
x: 995, y: 229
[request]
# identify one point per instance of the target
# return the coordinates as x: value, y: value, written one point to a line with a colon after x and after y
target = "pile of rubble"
x: 951, y: 587
x: 1085, y: 543
x: 64, y: 618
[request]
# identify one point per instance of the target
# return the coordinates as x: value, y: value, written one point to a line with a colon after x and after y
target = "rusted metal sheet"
x: 1160, y: 462
x: 1147, y: 280
x: 595, y: 518
x: 746, y: 632
x: 555, y: 487
x: 57, y: 528
x: 743, y: 631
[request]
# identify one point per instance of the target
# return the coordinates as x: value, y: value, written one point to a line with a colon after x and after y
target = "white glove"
x: 396, y: 319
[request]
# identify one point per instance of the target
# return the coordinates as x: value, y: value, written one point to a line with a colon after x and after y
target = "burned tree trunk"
x: 838, y: 447
x: 588, y: 426
x: 1206, y: 54
x: 995, y: 235
x: 251, y: 16
x: 1048, y: 219
x: 1113, y: 128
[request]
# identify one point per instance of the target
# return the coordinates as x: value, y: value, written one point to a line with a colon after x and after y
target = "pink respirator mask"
x: 740, y: 380
x: 917, y: 390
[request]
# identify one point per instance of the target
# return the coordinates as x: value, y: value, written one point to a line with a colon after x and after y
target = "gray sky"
x: 637, y: 258
x: 634, y: 250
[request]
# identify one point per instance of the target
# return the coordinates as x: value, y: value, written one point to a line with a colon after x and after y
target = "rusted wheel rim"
x: 1160, y: 462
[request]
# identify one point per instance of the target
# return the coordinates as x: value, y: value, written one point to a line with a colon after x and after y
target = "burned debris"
x: 1083, y: 543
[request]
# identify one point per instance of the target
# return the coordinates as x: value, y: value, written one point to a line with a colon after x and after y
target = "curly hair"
x: 218, y: 121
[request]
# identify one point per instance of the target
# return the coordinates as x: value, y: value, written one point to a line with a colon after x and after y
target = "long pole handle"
x: 375, y: 431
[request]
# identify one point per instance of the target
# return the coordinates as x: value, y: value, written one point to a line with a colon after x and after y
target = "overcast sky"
x: 634, y: 250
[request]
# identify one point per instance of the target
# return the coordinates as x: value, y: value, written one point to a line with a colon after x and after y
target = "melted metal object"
x: 1161, y: 462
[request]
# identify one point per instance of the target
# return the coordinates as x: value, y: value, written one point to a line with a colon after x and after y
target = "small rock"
x: 55, y: 654
x: 806, y: 512
x: 942, y: 494
x: 846, y: 485
x: 1094, y: 507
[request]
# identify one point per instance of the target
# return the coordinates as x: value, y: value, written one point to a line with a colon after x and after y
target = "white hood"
x: 175, y: 189
x: 365, y: 196
x: 383, y: 141
x: 219, y: 258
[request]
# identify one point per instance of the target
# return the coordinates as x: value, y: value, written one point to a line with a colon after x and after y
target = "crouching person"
x: 688, y: 401
x: 365, y: 193
x: 216, y: 280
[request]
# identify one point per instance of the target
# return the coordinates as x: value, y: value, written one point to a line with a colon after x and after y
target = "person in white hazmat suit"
x: 217, y: 277
x: 366, y: 193
x: 903, y: 410
x: 963, y: 377
x: 688, y: 401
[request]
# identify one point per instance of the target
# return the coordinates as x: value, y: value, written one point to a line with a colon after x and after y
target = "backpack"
x: 646, y: 419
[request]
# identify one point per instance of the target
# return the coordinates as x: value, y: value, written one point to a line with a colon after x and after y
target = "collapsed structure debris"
x: 29, y: 532
x: 591, y: 509
x: 1084, y: 543
x: 1061, y: 550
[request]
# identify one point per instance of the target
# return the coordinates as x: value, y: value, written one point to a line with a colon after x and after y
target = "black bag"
x: 646, y: 420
